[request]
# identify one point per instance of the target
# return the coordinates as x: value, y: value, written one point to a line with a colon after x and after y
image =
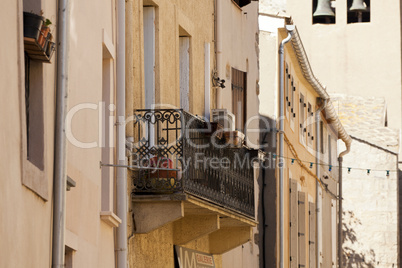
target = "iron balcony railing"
x: 176, y: 152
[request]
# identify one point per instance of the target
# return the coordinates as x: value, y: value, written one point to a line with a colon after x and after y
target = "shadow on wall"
x: 267, y: 184
x: 354, y: 255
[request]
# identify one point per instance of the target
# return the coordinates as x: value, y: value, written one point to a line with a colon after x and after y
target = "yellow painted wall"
x: 156, y: 249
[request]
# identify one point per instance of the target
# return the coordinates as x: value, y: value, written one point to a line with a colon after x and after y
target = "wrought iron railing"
x: 176, y: 152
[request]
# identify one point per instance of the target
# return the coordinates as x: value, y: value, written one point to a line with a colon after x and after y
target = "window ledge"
x: 110, y: 218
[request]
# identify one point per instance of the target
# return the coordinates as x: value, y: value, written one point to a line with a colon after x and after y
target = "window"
x: 34, y: 109
x: 358, y: 11
x: 68, y: 257
x: 34, y: 112
x: 184, y: 57
x: 287, y: 98
x: 324, y: 11
x: 242, y: 3
x: 239, y: 96
x: 302, y: 122
x: 329, y: 150
x: 292, y: 99
x: 149, y: 18
x: 322, y: 136
x: 310, y: 124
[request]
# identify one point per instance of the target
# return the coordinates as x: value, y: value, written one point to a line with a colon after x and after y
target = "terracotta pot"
x: 43, y: 36
x: 161, y: 162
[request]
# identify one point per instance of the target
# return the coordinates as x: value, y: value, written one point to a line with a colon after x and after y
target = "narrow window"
x: 323, y: 11
x: 149, y: 66
x: 184, y: 57
x: 322, y: 136
x: 358, y: 11
x: 302, y: 123
x: 34, y: 112
x: 329, y: 150
x: 239, y: 96
x: 310, y: 122
x: 292, y: 99
x: 287, y: 78
x: 68, y: 257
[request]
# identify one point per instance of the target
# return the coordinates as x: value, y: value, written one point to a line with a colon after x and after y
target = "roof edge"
x: 319, y: 88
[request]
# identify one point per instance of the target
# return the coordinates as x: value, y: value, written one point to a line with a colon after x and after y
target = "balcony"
x: 185, y: 172
x: 178, y: 153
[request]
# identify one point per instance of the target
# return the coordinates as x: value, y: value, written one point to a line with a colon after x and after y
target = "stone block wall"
x: 370, y: 217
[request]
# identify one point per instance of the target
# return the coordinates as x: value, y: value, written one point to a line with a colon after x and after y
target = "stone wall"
x: 370, y: 221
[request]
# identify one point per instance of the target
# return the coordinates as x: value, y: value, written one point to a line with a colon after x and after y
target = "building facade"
x: 311, y: 130
x: 27, y: 195
x: 186, y: 62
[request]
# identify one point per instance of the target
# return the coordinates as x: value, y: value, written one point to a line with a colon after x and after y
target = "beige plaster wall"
x: 156, y: 249
x: 240, y: 51
x: 93, y: 238
x: 26, y: 212
x: 196, y: 18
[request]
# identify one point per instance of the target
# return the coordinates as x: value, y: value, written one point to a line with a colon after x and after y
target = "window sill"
x: 110, y: 218
x: 34, y: 179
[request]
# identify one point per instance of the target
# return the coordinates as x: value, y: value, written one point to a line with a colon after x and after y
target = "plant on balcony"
x: 161, y: 162
x: 44, y: 35
x: 234, y: 138
x: 37, y: 37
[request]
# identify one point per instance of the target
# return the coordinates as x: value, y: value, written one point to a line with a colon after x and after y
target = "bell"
x: 323, y: 9
x: 358, y: 5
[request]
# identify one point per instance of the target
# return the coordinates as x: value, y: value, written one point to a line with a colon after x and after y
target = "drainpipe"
x: 318, y: 192
x: 218, y: 11
x: 60, y: 174
x: 290, y: 29
x: 340, y: 209
x: 121, y: 172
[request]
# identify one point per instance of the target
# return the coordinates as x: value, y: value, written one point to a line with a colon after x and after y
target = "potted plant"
x: 235, y: 138
x: 44, y: 32
x: 32, y: 25
x: 162, y: 162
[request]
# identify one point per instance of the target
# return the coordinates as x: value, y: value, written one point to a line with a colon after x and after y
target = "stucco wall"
x: 25, y: 198
x: 240, y: 51
x: 370, y: 207
x: 26, y: 215
x: 197, y: 20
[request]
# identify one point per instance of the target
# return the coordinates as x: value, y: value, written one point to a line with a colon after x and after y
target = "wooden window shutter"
x: 302, y: 229
x: 239, y: 97
x: 311, y: 243
x: 293, y: 224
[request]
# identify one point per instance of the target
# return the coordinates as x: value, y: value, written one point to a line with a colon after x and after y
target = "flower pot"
x: 32, y: 25
x: 43, y: 37
x: 162, y: 162
x: 235, y: 138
